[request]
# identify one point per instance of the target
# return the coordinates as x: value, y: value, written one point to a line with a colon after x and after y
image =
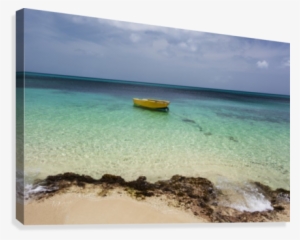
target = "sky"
x: 74, y: 45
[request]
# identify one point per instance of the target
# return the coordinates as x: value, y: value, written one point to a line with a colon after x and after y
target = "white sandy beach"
x: 116, y: 208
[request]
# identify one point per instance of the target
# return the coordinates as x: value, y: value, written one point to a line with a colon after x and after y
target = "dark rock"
x: 192, y: 195
x: 188, y: 120
x: 80, y: 184
x: 278, y: 207
x: 70, y: 177
x: 140, y: 184
x: 202, y: 204
x: 112, y: 179
x: 233, y: 139
x: 176, y: 178
x: 277, y: 196
x: 180, y: 194
x: 200, y: 128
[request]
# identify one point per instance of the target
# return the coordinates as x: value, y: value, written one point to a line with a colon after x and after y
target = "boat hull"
x: 151, y: 103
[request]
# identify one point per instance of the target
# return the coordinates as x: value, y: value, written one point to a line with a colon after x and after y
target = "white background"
x: 264, y: 19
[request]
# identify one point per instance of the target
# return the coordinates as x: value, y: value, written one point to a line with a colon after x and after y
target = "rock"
x: 188, y: 120
x: 278, y: 208
x: 112, y: 179
x: 233, y: 139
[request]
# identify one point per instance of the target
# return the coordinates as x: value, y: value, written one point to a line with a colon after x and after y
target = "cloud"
x: 189, y: 45
x: 78, y: 19
x: 128, y: 25
x: 182, y: 45
x: 135, y: 37
x: 160, y: 44
x: 262, y: 64
x: 286, y: 63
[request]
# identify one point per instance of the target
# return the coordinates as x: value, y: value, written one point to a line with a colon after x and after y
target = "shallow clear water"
x: 93, y: 128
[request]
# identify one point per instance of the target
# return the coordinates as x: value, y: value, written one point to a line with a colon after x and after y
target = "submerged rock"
x: 208, y: 134
x: 233, y: 139
x: 188, y: 120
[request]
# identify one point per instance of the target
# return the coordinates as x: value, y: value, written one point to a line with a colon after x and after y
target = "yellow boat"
x: 152, y: 103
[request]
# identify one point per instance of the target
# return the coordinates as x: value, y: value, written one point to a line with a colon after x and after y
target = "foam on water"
x: 242, y: 196
x: 19, y: 185
x: 33, y: 189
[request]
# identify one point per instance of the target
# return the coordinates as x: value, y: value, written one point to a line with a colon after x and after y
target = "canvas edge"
x: 20, y: 14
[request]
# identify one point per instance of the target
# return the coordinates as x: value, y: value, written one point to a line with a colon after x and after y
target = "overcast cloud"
x: 82, y: 46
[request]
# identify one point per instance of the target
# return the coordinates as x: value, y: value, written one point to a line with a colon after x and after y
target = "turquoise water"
x: 92, y: 128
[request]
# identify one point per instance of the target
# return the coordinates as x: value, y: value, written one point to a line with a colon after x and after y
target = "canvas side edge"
x: 20, y: 115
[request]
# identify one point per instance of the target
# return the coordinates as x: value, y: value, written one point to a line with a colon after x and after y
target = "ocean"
x: 90, y: 126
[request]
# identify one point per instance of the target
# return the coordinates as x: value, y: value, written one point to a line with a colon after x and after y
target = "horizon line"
x: 160, y: 84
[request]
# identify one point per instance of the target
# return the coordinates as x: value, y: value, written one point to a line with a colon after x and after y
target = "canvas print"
x: 127, y: 123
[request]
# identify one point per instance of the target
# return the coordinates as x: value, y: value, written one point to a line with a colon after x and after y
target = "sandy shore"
x: 71, y: 198
x: 115, y: 208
